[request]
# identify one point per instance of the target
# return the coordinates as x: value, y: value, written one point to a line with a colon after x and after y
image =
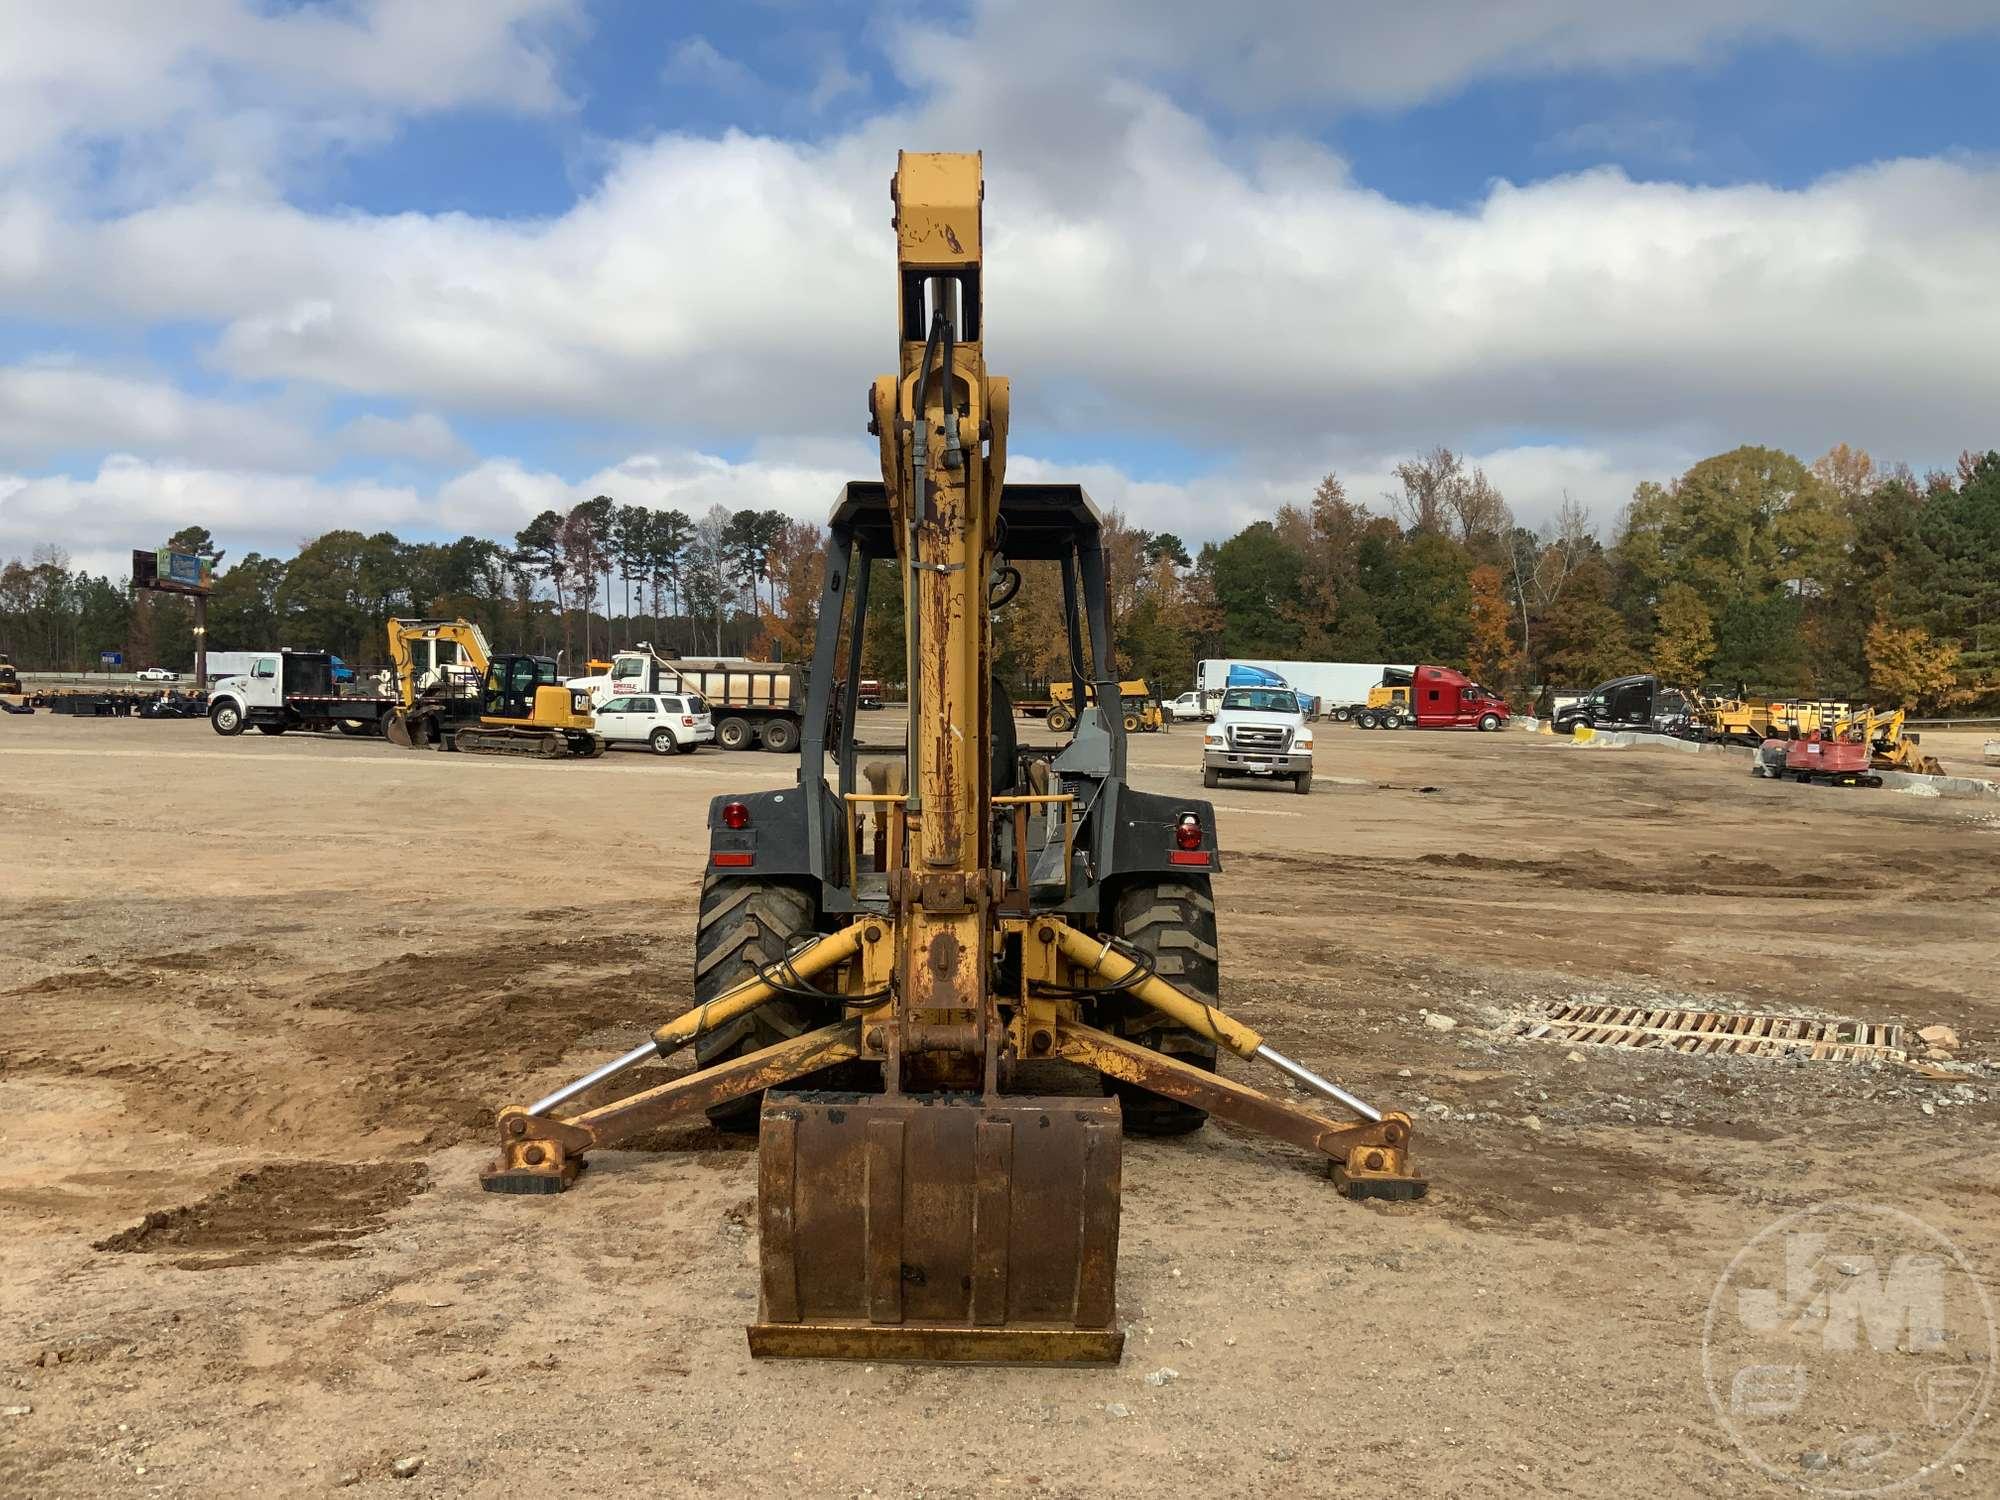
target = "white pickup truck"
x: 1258, y: 731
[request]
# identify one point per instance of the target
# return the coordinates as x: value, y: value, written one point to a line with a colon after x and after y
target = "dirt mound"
x: 315, y: 1209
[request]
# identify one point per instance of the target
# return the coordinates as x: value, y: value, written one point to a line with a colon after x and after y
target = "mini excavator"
x: 943, y: 1030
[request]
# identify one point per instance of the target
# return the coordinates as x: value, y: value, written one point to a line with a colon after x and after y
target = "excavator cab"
x: 945, y: 982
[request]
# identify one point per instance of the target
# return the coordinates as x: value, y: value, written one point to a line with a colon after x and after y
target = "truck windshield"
x: 1262, y: 700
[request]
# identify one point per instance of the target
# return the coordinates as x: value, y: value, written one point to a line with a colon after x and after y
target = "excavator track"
x: 528, y: 744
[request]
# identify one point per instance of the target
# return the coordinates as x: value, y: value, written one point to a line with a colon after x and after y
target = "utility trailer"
x: 754, y: 702
x: 293, y: 690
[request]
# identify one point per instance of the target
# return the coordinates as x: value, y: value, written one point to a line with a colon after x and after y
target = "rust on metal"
x: 913, y: 1227
x: 1385, y: 1140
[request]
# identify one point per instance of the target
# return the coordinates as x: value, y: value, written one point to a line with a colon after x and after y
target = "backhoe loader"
x: 944, y: 1045
x: 503, y: 704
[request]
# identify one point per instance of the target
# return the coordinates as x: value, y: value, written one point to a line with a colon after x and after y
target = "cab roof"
x: 1044, y: 521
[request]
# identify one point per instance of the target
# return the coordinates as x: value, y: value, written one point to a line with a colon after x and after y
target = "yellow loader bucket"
x: 939, y: 1227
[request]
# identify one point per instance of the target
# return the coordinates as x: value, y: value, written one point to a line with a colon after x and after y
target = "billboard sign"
x: 175, y: 572
x: 184, y: 568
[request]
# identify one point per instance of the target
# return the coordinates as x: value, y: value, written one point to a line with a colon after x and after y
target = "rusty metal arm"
x: 814, y: 959
x: 543, y: 1155
x: 1100, y: 957
x: 1371, y: 1156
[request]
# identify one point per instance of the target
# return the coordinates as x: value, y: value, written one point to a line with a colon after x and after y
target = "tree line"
x: 1753, y: 569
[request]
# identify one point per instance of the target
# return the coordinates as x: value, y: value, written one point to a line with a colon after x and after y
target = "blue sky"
x: 380, y: 263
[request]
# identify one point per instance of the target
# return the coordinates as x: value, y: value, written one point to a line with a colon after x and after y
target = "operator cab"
x: 509, y: 689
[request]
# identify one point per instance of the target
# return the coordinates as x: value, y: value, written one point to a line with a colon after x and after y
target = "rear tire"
x: 781, y: 736
x: 686, y: 747
x: 734, y: 734
x: 662, y: 741
x: 1173, y: 923
x: 1131, y: 723
x: 270, y: 729
x: 1366, y: 719
x: 746, y: 925
x: 1059, y: 720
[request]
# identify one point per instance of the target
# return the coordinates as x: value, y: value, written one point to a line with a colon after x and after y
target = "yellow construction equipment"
x: 953, y: 1036
x: 1138, y: 706
x: 1753, y: 721
x: 1891, y: 747
x: 466, y: 697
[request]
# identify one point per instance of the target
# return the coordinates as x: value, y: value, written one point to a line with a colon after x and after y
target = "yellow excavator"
x: 465, y: 697
x: 950, y: 1041
x: 1891, y: 747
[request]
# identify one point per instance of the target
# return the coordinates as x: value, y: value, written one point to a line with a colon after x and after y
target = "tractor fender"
x: 1142, y: 826
x: 776, y: 837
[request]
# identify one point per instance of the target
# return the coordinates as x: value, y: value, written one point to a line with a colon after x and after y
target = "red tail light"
x: 687, y: 721
x: 735, y: 815
x: 1187, y: 833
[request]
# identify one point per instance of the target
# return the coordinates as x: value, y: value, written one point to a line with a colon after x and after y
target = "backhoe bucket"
x: 935, y: 1227
x: 396, y: 730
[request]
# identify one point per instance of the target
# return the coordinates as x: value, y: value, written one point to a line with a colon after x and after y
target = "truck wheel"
x: 1172, y: 922
x: 781, y: 736
x: 1393, y: 719
x: 1343, y: 715
x: 1365, y: 719
x: 662, y: 742
x: 226, y: 718
x: 270, y: 729
x: 1210, y: 778
x: 734, y: 734
x: 1131, y: 723
x: 357, y: 727
x: 746, y: 925
x: 1302, y: 783
x: 1489, y: 722
x: 1059, y: 720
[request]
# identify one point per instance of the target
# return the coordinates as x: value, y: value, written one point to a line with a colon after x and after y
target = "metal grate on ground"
x: 1713, y: 1033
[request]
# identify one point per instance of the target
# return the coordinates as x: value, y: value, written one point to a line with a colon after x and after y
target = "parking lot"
x: 263, y: 995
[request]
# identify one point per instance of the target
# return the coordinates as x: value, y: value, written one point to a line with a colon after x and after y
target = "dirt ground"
x: 262, y: 996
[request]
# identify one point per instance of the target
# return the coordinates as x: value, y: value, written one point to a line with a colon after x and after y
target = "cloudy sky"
x: 276, y: 266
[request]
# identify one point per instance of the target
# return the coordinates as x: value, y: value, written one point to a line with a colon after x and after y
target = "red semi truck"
x: 1444, y: 699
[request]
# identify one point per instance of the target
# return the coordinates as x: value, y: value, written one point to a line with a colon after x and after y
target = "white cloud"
x: 1241, y: 296
x: 54, y: 406
x: 135, y: 502
x: 1260, y: 55
x: 422, y: 437
x: 738, y: 289
x: 158, y: 79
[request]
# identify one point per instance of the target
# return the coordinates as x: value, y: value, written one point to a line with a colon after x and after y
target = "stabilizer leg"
x: 541, y: 1154
x: 1370, y: 1157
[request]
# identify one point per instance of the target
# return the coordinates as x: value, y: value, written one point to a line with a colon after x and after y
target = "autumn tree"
x: 1490, y: 651
x: 1909, y: 668
x: 1684, y: 643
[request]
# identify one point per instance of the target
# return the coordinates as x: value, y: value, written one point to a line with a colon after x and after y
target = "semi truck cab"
x: 1448, y: 699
